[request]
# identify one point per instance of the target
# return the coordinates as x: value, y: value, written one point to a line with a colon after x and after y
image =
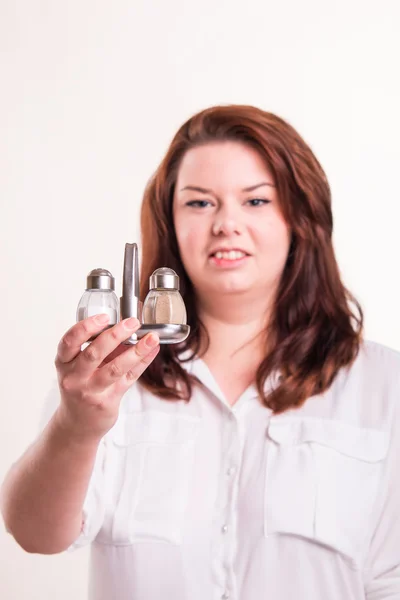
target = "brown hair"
x: 313, y: 330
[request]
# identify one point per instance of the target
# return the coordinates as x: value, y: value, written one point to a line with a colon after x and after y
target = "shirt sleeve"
x: 382, y: 572
x: 94, y: 504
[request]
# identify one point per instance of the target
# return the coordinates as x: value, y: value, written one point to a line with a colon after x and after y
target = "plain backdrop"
x: 91, y: 93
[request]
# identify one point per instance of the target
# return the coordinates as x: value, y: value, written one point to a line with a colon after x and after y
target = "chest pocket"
x: 322, y: 480
x: 152, y: 464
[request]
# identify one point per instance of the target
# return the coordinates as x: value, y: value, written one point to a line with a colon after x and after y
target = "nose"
x: 227, y: 223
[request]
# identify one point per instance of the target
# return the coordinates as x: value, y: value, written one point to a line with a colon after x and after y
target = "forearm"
x: 43, y: 494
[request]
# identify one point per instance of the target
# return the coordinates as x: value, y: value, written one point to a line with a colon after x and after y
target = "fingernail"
x: 130, y: 323
x: 151, y: 341
x: 101, y: 319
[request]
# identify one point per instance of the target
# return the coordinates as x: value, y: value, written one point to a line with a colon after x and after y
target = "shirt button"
x: 224, y: 528
x: 230, y: 471
x: 225, y: 596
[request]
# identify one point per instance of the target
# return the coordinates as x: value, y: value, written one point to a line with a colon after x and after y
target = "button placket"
x: 231, y: 455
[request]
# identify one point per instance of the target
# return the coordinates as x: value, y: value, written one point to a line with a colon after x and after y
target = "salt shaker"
x: 164, y: 304
x: 99, y: 298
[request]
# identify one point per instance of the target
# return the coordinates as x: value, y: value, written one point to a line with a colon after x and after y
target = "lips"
x: 231, y: 256
x: 228, y: 250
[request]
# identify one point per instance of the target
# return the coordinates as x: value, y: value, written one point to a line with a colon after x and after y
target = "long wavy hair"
x: 316, y: 324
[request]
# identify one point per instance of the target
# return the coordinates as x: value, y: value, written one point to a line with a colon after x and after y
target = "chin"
x: 228, y: 287
x: 224, y: 283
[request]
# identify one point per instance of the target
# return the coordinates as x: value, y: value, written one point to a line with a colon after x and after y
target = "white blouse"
x: 204, y: 501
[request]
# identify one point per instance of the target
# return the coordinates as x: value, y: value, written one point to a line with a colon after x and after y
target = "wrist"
x: 68, y: 433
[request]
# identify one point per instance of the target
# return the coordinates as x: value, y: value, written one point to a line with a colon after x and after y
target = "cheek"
x: 272, y: 227
x: 188, y: 234
x: 274, y: 236
x: 184, y: 235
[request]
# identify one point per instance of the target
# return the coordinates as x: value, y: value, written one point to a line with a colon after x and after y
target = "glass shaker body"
x: 96, y: 302
x: 99, y: 298
x: 163, y: 306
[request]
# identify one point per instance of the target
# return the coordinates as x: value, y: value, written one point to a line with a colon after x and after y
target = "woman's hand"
x: 92, y: 381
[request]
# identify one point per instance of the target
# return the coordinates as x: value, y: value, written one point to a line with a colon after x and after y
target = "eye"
x: 198, y: 203
x: 258, y: 201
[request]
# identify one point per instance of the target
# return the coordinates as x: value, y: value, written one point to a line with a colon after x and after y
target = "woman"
x: 256, y: 460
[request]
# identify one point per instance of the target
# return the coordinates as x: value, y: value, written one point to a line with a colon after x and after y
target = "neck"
x: 235, y: 324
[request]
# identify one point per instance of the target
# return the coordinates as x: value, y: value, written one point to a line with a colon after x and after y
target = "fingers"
x: 93, y: 356
x: 70, y: 344
x: 127, y: 367
x: 118, y: 350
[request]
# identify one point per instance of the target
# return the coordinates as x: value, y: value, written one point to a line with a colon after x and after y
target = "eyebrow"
x: 195, y: 188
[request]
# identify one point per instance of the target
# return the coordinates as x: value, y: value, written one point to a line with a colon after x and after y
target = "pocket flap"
x: 369, y: 445
x: 154, y: 427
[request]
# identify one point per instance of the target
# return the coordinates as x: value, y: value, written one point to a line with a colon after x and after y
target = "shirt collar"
x: 197, y: 367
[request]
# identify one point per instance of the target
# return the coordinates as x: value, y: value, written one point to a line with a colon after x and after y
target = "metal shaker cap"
x: 100, y: 279
x: 164, y: 278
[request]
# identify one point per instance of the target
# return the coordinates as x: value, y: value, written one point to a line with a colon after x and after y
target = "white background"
x: 91, y: 94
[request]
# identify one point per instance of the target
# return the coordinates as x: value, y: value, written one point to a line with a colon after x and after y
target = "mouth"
x: 228, y: 259
x: 232, y: 255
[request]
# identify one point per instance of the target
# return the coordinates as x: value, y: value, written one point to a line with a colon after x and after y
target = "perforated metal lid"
x: 100, y: 279
x: 164, y: 278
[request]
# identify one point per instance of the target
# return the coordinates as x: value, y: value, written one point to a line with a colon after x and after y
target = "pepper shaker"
x: 163, y: 303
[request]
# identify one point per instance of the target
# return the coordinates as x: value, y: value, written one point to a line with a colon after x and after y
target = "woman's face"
x: 231, y: 234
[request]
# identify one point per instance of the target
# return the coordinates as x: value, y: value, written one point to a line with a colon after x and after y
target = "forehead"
x: 230, y: 164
